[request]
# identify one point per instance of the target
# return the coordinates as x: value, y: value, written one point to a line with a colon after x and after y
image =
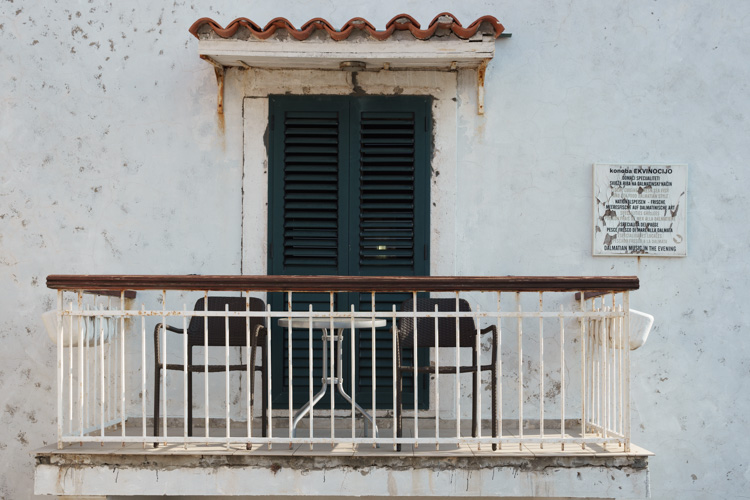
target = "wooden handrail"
x: 267, y: 283
x: 592, y: 294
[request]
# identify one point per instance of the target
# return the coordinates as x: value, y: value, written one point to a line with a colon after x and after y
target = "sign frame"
x: 644, y: 204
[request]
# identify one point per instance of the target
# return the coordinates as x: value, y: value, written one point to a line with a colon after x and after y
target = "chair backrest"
x: 216, y: 325
x: 446, y: 326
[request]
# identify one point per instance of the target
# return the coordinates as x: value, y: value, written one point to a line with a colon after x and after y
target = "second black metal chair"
x: 446, y: 337
x: 216, y: 336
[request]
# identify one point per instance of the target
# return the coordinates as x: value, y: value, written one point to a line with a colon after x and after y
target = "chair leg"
x: 157, y: 377
x: 494, y: 406
x: 399, y: 406
x: 264, y: 392
x: 475, y: 393
x: 495, y: 428
x: 157, y: 384
x: 190, y: 392
x: 251, y: 388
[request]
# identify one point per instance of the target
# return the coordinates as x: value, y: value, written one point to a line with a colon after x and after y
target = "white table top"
x: 318, y: 323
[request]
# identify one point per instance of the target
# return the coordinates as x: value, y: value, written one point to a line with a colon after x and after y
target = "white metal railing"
x: 559, y: 362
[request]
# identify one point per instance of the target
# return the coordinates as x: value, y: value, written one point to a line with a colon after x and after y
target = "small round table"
x: 337, y: 379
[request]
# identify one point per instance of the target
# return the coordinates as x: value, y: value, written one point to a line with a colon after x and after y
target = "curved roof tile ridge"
x: 443, y: 21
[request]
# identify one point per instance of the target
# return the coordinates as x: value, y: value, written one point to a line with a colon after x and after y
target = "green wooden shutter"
x: 349, y: 195
x: 392, y: 165
x: 392, y: 183
x: 307, y: 222
x: 309, y: 147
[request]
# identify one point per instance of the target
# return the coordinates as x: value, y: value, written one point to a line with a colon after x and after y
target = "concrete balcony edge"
x: 98, y: 474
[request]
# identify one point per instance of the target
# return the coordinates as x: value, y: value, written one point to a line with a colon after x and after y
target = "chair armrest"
x: 491, y: 328
x: 156, y: 338
x: 169, y: 327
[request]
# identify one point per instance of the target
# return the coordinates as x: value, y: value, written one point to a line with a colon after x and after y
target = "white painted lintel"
x: 397, y: 54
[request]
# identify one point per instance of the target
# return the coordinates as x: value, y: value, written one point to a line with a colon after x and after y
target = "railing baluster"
x: 86, y: 377
x: 593, y: 353
x: 205, y: 364
x: 352, y: 369
x: 290, y: 368
x: 541, y: 370
x: 226, y: 373
x: 101, y: 364
x: 143, y: 370
x: 621, y: 321
x: 70, y: 370
x: 112, y: 398
x: 60, y: 331
x: 394, y: 333
x: 478, y: 374
x: 598, y: 367
x: 457, y: 385
x: 595, y: 374
x: 499, y: 376
x: 269, y: 415
x: 606, y: 325
x: 614, y: 399
x: 111, y: 323
x: 185, y: 373
x: 93, y: 366
x: 373, y: 361
x: 520, y: 369
x: 613, y: 373
x: 562, y: 377
x: 81, y: 326
x: 602, y: 365
x: 437, y: 381
x: 122, y: 381
x: 626, y: 346
x: 591, y: 390
x: 94, y: 393
x: 165, y: 371
x: 310, y: 369
x: 416, y: 371
x: 249, y: 375
x: 591, y: 386
x: 330, y: 375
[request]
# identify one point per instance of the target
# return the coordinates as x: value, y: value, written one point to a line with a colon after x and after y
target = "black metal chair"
x: 217, y: 337
x: 446, y: 337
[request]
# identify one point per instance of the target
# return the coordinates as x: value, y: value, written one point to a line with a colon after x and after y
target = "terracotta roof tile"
x: 402, y: 22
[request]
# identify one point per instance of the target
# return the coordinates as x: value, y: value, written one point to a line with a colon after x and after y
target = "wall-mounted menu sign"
x: 640, y: 210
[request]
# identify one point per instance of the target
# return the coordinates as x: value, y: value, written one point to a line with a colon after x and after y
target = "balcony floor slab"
x: 343, y: 469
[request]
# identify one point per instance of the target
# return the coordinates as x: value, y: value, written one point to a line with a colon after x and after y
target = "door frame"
x: 255, y: 86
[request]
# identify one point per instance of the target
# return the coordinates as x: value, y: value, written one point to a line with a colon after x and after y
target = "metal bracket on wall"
x: 481, y: 71
x: 219, y: 70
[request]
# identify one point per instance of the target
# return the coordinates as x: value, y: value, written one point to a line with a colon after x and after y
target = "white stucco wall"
x: 114, y: 161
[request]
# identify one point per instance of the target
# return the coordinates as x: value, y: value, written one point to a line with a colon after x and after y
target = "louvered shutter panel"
x: 309, y: 155
x: 392, y: 181
x: 387, y: 157
x: 307, y: 222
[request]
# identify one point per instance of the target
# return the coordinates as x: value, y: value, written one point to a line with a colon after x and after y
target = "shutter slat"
x: 387, y: 140
x: 329, y: 130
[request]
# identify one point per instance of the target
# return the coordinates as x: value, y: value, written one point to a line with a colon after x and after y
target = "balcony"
x: 540, y: 405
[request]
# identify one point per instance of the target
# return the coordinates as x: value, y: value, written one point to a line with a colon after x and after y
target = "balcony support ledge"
x: 134, y: 472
